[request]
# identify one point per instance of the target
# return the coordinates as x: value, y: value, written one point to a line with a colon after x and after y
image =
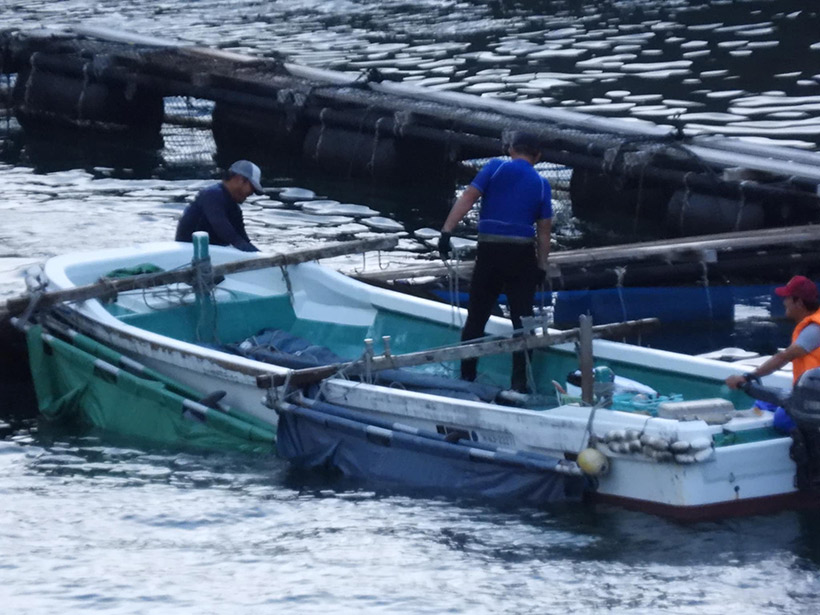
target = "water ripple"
x: 139, y: 530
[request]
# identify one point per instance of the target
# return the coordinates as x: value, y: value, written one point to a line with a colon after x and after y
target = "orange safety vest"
x: 812, y: 359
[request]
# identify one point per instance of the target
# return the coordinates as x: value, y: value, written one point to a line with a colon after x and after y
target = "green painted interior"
x: 236, y: 320
x: 246, y: 315
x: 115, y: 309
x: 556, y: 364
x: 411, y: 334
x: 746, y: 436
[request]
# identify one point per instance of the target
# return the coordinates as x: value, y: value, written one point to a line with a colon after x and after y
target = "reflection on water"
x: 155, y: 531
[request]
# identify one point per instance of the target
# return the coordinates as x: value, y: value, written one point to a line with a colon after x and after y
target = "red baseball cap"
x: 799, y: 287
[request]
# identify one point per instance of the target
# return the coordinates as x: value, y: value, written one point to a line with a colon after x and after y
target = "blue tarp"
x: 331, y: 438
x: 606, y: 305
x: 670, y: 304
x: 782, y: 422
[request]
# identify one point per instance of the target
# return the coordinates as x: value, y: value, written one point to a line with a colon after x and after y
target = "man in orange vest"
x: 800, y: 298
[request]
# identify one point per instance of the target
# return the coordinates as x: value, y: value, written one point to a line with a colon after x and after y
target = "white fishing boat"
x: 298, y: 345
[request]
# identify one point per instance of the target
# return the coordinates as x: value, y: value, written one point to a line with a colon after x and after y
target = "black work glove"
x: 444, y: 246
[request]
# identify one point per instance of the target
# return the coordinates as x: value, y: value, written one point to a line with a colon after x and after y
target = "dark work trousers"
x: 508, y: 268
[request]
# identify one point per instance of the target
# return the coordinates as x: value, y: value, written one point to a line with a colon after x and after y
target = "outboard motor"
x: 803, y: 406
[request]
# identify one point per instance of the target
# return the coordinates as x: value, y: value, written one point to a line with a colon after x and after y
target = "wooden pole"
x: 585, y: 358
x: 685, y: 249
x: 18, y: 305
x: 203, y: 287
x: 454, y: 353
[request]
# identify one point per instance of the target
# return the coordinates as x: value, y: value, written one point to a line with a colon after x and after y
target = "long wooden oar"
x: 18, y: 305
x: 450, y: 353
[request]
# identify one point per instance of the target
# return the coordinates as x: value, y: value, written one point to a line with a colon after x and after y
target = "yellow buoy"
x: 593, y: 462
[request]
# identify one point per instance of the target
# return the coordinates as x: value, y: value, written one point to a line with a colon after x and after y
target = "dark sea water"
x: 91, y: 523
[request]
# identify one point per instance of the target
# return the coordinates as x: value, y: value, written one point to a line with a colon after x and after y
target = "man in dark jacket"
x: 216, y: 211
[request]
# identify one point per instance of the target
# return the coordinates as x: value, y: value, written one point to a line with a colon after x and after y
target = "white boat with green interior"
x: 276, y: 338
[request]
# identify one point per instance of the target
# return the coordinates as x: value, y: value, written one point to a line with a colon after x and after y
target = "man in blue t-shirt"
x: 216, y: 211
x: 514, y: 227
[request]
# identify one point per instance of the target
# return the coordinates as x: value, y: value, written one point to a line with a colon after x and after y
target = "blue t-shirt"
x: 513, y: 197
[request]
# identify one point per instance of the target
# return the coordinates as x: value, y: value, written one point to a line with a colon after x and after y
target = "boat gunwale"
x: 56, y: 270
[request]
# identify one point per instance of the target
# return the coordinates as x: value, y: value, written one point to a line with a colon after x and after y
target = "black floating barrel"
x: 275, y: 130
x: 351, y: 141
x: 349, y: 153
x: 602, y: 197
x: 692, y: 213
x: 62, y: 90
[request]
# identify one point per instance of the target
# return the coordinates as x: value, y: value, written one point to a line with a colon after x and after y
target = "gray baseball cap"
x: 249, y: 171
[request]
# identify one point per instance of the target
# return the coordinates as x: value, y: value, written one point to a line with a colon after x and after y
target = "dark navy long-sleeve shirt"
x: 216, y: 213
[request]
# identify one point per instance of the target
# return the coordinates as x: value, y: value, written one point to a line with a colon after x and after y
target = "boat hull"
x: 732, y: 475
